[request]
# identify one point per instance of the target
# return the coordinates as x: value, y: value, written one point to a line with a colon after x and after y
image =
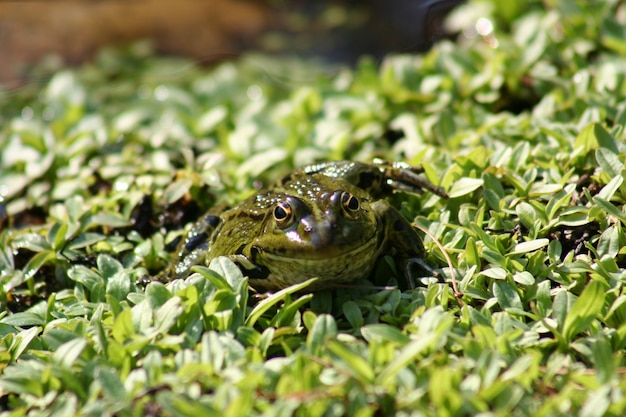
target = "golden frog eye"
x: 349, y: 202
x: 283, y: 214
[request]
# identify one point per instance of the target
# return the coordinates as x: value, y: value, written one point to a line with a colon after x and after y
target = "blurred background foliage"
x: 215, y: 30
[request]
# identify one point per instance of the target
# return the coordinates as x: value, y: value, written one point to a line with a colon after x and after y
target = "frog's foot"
x: 424, y: 274
x: 404, y: 177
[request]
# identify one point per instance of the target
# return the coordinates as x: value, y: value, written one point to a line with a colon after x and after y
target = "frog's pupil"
x: 280, y: 213
x: 349, y: 201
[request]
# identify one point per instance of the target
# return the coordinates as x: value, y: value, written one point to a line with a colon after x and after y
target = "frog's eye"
x: 283, y: 214
x: 349, y: 202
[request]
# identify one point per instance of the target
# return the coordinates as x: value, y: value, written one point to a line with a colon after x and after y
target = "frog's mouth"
x: 280, y: 270
x: 309, y: 253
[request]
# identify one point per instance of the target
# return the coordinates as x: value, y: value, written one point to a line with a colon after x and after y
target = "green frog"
x: 327, y: 220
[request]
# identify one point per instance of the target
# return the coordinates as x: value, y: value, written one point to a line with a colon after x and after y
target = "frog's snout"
x: 330, y: 231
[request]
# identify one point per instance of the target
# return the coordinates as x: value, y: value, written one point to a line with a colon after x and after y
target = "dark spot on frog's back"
x: 194, y: 242
x: 212, y: 220
x: 250, y: 215
x: 398, y: 225
x: 366, y: 180
x: 285, y: 179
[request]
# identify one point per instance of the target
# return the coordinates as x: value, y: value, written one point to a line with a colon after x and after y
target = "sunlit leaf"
x: 277, y: 297
x: 585, y: 310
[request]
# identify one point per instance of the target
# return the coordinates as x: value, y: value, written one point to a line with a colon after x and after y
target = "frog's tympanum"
x: 327, y: 221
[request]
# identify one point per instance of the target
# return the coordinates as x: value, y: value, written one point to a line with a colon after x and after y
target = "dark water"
x: 342, y: 31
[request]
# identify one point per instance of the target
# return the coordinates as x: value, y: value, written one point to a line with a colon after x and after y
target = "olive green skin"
x: 327, y: 221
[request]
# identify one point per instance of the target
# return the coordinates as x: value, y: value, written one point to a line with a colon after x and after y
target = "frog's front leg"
x: 196, y: 244
x: 249, y: 268
x: 402, y: 242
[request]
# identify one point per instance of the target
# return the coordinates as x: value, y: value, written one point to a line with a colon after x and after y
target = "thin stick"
x: 457, y: 294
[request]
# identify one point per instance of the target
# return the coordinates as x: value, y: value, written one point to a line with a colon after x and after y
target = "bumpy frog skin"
x: 326, y: 221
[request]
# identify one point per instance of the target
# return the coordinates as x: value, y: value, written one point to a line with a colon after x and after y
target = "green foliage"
x: 521, y: 120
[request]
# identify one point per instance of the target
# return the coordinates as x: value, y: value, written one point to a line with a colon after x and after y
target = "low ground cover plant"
x: 521, y: 119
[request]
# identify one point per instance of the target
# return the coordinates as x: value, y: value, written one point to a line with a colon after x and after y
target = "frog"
x: 329, y: 221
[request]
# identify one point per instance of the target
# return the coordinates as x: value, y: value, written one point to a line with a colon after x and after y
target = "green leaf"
x: 527, y: 214
x: 613, y: 36
x: 24, y: 379
x: 177, y: 189
x: 605, y: 139
x: 287, y: 314
x: 530, y: 246
x: 266, y: 340
x: 559, y: 201
x: 123, y: 328
x: 21, y: 342
x: 608, y: 191
x: 108, y: 266
x: 353, y: 314
x: 524, y: 278
x: 407, y: 355
x: 248, y: 336
x: 157, y: 294
x: 574, y: 216
x: 593, y: 136
x: 24, y: 319
x: 507, y: 295
x: 465, y: 186
x: 524, y: 370
x: 218, y: 281
x: 384, y: 333
x: 179, y: 405
x: 67, y: 354
x: 109, y: 220
x: 36, y: 262
x: 608, y: 207
x: 609, y: 162
x: 597, y: 404
x: 209, y: 120
x: 495, y: 273
x: 119, y: 285
x: 229, y: 270
x: 561, y: 306
x: 85, y: 276
x: 323, y: 329
x: 261, y: 161
x: 604, y: 360
x: 167, y: 314
x: 56, y: 235
x: 584, y: 311
x: 85, y: 239
x: 112, y: 387
x: 358, y: 367
x: 610, y: 242
x: 273, y: 299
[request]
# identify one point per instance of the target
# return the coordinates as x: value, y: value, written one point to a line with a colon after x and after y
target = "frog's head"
x: 323, y: 228
x: 333, y: 223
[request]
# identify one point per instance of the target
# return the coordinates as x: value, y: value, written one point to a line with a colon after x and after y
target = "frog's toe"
x: 419, y: 273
